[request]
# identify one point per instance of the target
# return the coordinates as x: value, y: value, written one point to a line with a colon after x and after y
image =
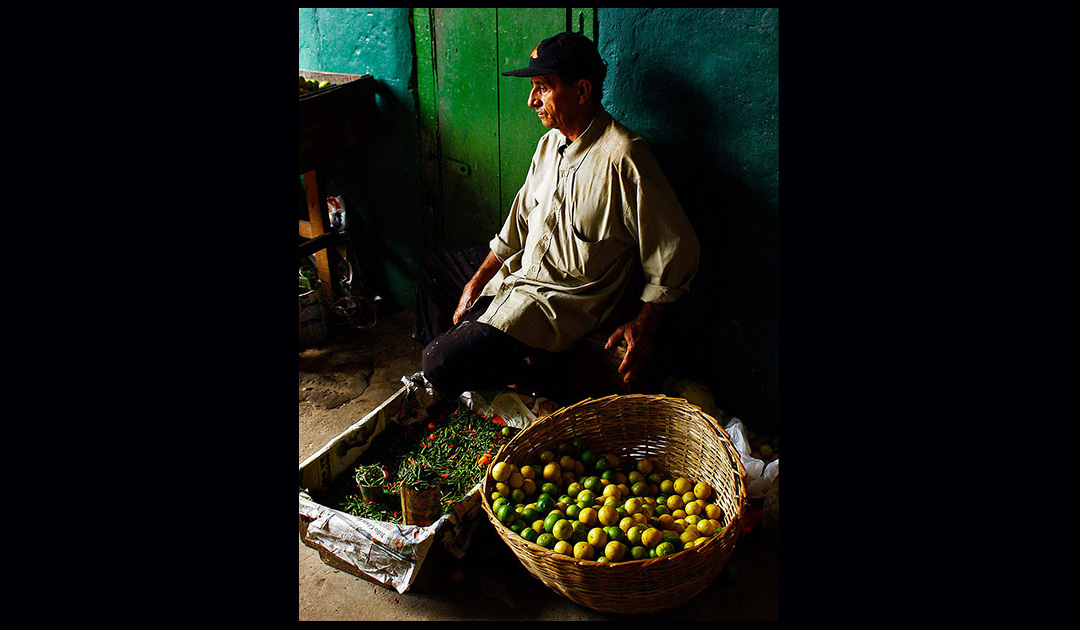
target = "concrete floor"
x: 353, y: 371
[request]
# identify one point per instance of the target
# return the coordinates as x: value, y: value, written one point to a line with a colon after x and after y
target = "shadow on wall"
x: 724, y: 334
x: 378, y: 185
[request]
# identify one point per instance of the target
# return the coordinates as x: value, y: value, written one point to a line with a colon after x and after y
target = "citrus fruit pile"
x: 590, y: 505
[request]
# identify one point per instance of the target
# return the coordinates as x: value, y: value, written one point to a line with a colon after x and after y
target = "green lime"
x: 529, y: 534
x: 545, y: 504
x: 615, y: 533
x: 507, y: 514
x: 553, y: 517
x: 546, y: 540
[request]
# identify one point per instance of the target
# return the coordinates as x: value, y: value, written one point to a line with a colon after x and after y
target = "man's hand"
x: 639, y: 335
x: 475, y: 286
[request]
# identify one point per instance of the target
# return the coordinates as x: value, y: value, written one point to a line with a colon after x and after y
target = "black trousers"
x: 469, y: 356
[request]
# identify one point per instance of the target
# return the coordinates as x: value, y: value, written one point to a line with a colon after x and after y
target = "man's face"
x: 554, y: 102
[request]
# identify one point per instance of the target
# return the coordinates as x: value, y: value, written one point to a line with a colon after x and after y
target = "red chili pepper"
x: 497, y: 419
x: 431, y: 426
x: 431, y: 438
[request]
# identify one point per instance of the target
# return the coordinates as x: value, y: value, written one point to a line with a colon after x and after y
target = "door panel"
x: 477, y: 134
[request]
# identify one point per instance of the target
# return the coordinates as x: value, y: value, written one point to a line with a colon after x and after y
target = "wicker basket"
x: 680, y: 438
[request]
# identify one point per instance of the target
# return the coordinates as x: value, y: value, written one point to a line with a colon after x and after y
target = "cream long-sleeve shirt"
x: 582, y: 221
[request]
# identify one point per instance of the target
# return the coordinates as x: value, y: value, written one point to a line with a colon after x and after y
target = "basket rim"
x: 731, y: 530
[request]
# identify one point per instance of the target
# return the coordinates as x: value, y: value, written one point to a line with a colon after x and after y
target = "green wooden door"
x: 477, y: 134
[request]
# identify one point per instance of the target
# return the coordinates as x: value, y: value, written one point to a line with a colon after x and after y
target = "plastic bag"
x: 759, y: 475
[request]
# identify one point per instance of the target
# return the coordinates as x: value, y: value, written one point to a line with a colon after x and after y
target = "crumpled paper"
x: 759, y: 475
x: 387, y: 553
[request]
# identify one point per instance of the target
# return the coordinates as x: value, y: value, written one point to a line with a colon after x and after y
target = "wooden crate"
x: 336, y: 119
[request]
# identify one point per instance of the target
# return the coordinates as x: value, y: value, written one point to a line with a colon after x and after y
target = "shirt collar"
x: 577, y: 149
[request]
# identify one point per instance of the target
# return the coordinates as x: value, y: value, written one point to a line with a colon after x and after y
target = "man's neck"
x: 579, y: 126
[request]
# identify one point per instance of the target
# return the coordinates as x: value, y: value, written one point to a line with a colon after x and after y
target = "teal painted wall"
x: 379, y: 183
x: 701, y: 85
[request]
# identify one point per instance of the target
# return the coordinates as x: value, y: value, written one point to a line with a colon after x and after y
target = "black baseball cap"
x: 564, y: 52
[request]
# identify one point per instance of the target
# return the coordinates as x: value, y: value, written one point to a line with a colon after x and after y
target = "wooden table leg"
x: 319, y: 220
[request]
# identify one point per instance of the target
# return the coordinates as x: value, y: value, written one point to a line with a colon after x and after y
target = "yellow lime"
x: 608, y: 515
x: 667, y: 486
x: 566, y: 462
x: 706, y: 527
x: 626, y: 523
x: 528, y: 472
x: 588, y: 516
x: 528, y: 487
x: 516, y: 479
x: 644, y: 466
x: 633, y: 535
x: 500, y: 471
x: 584, y: 551
x: 682, y: 485
x: 674, y: 502
x: 615, y: 551
x: 597, y: 537
x: 632, y: 505
x: 714, y: 511
x: 562, y: 530
x: 612, y: 490
x: 547, y: 456
x: 651, y: 537
x: 702, y: 490
x: 552, y: 472
x: 563, y: 547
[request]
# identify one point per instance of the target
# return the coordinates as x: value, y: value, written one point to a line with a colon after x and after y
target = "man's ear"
x: 584, y: 90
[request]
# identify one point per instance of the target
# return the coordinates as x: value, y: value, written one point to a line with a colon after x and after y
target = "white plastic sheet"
x: 759, y: 475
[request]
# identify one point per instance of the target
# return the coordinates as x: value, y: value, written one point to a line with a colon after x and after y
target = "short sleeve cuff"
x: 501, y: 250
x: 660, y: 294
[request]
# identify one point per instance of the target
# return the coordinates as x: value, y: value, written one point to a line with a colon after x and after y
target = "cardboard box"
x: 385, y: 553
